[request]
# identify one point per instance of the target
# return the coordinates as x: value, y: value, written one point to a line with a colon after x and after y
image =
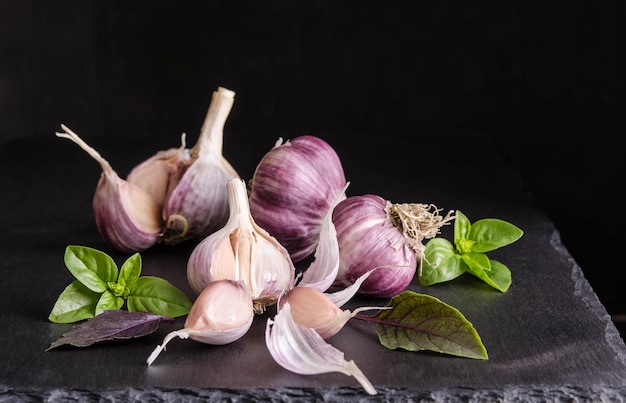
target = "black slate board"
x: 548, y: 337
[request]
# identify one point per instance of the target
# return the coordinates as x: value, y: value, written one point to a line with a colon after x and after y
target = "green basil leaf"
x: 476, y: 262
x: 499, y: 277
x: 108, y: 302
x: 156, y: 295
x: 75, y: 303
x: 492, y: 233
x: 440, y: 263
x: 461, y: 227
x: 420, y: 322
x: 91, y: 267
x: 130, y: 271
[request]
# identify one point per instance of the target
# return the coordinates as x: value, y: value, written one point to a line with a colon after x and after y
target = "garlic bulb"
x: 292, y: 189
x: 373, y: 233
x: 127, y: 217
x: 221, y: 314
x: 242, y: 251
x: 191, y: 183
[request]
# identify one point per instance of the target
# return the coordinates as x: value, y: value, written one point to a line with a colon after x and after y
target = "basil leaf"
x: 440, y: 263
x: 492, y: 233
x: 156, y: 295
x: 420, y: 322
x: 130, y: 271
x: 75, y: 303
x: 108, y: 302
x: 91, y: 267
x: 499, y: 277
x: 461, y: 227
x: 476, y: 262
x: 111, y: 325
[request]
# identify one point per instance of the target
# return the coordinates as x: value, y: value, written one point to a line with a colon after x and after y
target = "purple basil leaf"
x: 111, y: 325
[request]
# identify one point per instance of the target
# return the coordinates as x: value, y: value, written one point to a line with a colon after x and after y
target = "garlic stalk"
x: 302, y: 350
x: 190, y: 184
x: 127, y: 217
x: 198, y: 204
x: 221, y: 314
x: 242, y: 251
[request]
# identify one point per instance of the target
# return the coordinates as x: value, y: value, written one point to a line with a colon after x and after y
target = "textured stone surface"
x: 548, y: 337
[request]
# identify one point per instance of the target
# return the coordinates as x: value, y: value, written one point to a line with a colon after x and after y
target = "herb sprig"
x: 444, y: 262
x: 100, y: 286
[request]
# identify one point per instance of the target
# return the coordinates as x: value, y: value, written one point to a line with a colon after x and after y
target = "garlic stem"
x: 69, y: 134
x: 211, y: 137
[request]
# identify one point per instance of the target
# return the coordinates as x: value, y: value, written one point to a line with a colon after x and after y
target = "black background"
x: 544, y: 80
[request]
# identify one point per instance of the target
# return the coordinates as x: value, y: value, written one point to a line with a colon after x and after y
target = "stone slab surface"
x: 548, y: 337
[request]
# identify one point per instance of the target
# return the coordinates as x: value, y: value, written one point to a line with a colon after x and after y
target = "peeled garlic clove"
x: 242, y: 251
x: 197, y: 204
x: 293, y: 187
x: 373, y: 233
x: 158, y: 174
x: 127, y: 217
x: 221, y: 314
x: 302, y: 350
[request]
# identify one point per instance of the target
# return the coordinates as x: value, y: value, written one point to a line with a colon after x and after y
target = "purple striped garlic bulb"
x: 293, y: 187
x: 374, y: 234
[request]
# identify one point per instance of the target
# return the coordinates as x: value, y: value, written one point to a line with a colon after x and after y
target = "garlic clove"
x: 127, y: 217
x: 158, y: 174
x: 243, y: 251
x: 321, y: 311
x: 197, y: 204
x: 302, y: 350
x: 221, y: 314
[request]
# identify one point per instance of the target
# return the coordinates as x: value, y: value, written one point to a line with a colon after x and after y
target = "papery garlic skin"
x: 292, y: 189
x: 196, y: 204
x: 221, y: 314
x: 369, y: 240
x: 127, y: 217
x: 302, y: 350
x: 242, y: 251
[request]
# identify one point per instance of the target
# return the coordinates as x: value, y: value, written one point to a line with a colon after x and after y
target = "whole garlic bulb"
x: 128, y: 218
x: 242, y: 251
x: 293, y: 187
x: 373, y: 233
x: 190, y: 184
x: 221, y: 314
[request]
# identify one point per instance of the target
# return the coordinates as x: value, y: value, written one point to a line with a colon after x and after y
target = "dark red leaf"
x: 111, y: 325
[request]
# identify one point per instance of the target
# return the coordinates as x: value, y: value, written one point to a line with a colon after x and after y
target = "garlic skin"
x: 375, y: 234
x: 302, y: 350
x: 127, y: 217
x: 198, y: 205
x: 242, y: 251
x: 292, y: 189
x: 221, y: 314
